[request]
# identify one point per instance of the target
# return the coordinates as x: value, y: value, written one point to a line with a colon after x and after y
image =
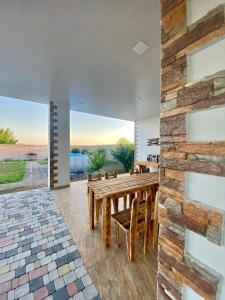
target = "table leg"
x: 125, y: 202
x: 115, y: 204
x: 148, y: 213
x: 155, y: 225
x: 91, y: 210
x: 107, y: 222
x: 131, y: 198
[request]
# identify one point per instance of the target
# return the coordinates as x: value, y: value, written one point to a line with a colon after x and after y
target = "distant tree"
x: 123, y: 141
x: 124, y: 153
x: 75, y: 150
x: 97, y: 158
x: 7, y: 136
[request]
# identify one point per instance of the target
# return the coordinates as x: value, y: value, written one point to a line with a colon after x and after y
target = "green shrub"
x: 43, y: 162
x: 75, y: 150
x: 84, y: 151
x: 124, y: 153
x: 97, y: 158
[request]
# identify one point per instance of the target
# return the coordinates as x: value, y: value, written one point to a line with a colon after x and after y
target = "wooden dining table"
x: 110, y: 189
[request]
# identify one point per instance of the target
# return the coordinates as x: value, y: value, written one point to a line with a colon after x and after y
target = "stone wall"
x: 177, y: 214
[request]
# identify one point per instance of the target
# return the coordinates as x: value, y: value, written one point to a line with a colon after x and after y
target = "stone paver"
x: 38, y: 258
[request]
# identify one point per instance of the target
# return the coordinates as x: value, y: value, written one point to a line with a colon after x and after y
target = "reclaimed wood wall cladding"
x: 53, y: 144
x: 178, y: 155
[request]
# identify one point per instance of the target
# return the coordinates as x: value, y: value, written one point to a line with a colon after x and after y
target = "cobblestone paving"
x: 38, y: 258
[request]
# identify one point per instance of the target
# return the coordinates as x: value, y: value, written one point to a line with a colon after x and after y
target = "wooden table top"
x: 123, y: 185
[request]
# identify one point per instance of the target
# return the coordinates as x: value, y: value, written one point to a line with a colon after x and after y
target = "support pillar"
x: 59, y: 145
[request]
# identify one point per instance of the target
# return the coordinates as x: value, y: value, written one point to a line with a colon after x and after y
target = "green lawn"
x: 111, y: 165
x: 43, y: 162
x: 12, y: 171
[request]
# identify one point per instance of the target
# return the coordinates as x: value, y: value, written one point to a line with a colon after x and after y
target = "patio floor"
x: 38, y: 257
x: 114, y: 276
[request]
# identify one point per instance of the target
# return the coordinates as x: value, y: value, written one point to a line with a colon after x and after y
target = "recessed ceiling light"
x: 140, y: 48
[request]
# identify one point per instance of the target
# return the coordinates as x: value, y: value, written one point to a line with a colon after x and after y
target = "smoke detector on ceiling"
x: 140, y: 48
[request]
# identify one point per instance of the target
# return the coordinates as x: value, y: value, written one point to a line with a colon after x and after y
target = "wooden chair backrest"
x: 138, y: 205
x: 94, y: 177
x: 145, y: 170
x: 110, y: 175
x: 134, y: 171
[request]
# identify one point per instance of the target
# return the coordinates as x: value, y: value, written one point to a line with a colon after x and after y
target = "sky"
x: 29, y: 122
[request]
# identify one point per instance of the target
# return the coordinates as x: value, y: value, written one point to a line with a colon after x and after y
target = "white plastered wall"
x: 146, y: 129
x: 206, y: 125
x: 198, y: 8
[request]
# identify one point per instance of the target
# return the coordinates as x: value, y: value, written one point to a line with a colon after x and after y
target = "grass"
x: 111, y: 165
x: 12, y: 171
x: 43, y: 162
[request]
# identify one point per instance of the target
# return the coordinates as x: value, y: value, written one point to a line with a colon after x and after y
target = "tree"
x: 7, y: 136
x: 75, y: 150
x: 123, y: 141
x: 124, y: 153
x: 97, y: 158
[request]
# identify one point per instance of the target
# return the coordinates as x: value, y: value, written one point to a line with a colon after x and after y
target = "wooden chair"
x: 116, y: 200
x: 92, y: 178
x: 133, y: 221
x: 138, y: 170
x: 154, y: 220
x: 145, y: 170
x: 134, y: 171
x: 98, y: 202
x: 109, y: 175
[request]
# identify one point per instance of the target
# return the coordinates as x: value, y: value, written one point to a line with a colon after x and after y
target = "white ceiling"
x: 81, y: 51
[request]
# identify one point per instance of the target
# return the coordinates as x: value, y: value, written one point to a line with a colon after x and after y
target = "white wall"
x: 145, y: 129
x: 198, y: 8
x: 208, y: 60
x: 213, y: 195
x: 206, y: 125
x: 199, y: 125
